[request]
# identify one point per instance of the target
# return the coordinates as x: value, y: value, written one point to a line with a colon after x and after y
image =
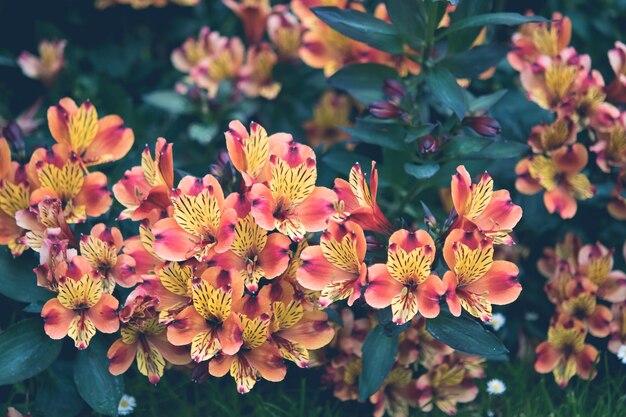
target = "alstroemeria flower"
x: 144, y: 190
x: 58, y: 173
x: 285, y: 31
x: 255, y: 78
x: 210, y: 324
x: 492, y: 212
x: 256, y: 359
x: 102, y: 249
x: 254, y: 254
x: 406, y: 282
x: 610, y: 148
x: 446, y: 384
x: 475, y: 281
x: 249, y: 152
x: 144, y: 339
x: 80, y: 306
x: 582, y: 306
x: 358, y: 200
x: 224, y: 63
x: 295, y: 331
x: 534, y: 39
x: 331, y: 112
x: 201, y: 224
x: 336, y: 266
x: 396, y: 394
x: 193, y: 50
x: 95, y: 141
x: 171, y: 284
x: 565, y: 354
x: 14, y: 196
x: 291, y: 203
x: 617, y: 337
x: 253, y: 15
x: 560, y: 176
x: 616, y: 91
x: 47, y: 66
x: 596, y: 264
x: 550, y: 137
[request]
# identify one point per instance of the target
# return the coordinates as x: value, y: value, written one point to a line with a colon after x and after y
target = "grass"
x: 527, y: 395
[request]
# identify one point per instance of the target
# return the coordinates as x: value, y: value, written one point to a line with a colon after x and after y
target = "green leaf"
x: 169, y: 101
x: 486, y: 102
x: 423, y: 171
x: 508, y: 19
x: 379, y: 355
x: 415, y: 133
x: 406, y: 17
x: 364, y: 82
x: 504, y: 150
x: 26, y: 350
x: 466, y: 334
x: 463, y: 39
x: 18, y: 281
x: 55, y: 384
x: 463, y: 146
x: 383, y: 134
x: 101, y: 390
x: 342, y: 161
x: 475, y: 61
x: 362, y: 27
x: 202, y: 133
x: 444, y: 88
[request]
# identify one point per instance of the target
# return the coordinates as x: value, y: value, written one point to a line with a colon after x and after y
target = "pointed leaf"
x: 364, y: 82
x: 422, y: 171
x: 18, y: 281
x: 508, y: 19
x: 169, y: 101
x: 475, y: 61
x: 379, y: 355
x: 444, y: 88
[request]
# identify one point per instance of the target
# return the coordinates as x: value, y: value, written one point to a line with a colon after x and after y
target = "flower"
x: 253, y: 14
x: 94, y: 141
x: 58, y: 173
x: 565, y: 353
x: 475, y: 281
x: 80, y: 306
x: 336, y: 266
x: 396, y: 395
x: 496, y: 387
x: 47, y: 66
x: 12, y: 412
x: 291, y: 203
x: 193, y: 50
x: 498, y: 320
x: 331, y: 112
x: 616, y: 91
x: 406, y: 282
x: 255, y: 77
x: 201, y: 223
x: 621, y: 354
x: 144, y: 339
x: 127, y: 405
x: 284, y: 31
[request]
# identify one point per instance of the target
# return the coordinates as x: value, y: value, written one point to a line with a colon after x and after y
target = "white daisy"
x: 621, y: 354
x: 498, y: 320
x: 127, y: 405
x: 496, y: 387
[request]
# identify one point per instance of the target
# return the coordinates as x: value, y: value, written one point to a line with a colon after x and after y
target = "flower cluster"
x: 47, y: 66
x: 142, y: 4
x: 426, y: 373
x: 560, y: 80
x: 581, y: 279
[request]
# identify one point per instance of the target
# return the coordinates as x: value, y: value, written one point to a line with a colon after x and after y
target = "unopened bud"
x: 483, y: 125
x: 429, y: 218
x: 200, y: 372
x: 385, y: 110
x: 394, y: 90
x: 428, y: 144
x: 373, y: 244
x: 14, y: 135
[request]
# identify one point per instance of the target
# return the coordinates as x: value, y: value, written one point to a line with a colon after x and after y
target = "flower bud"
x: 14, y: 135
x: 428, y: 144
x: 394, y: 90
x: 483, y: 125
x: 373, y: 244
x: 429, y: 218
x: 385, y: 110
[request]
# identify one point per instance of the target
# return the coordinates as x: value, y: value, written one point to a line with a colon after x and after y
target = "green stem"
x: 430, y: 31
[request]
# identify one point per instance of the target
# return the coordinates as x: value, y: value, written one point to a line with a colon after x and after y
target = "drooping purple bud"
x: 428, y: 144
x: 483, y: 125
x: 385, y: 110
x: 394, y: 90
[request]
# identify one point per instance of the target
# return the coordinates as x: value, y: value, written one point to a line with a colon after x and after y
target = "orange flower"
x: 101, y: 249
x: 560, y: 176
x: 565, y: 353
x: 224, y: 63
x: 142, y: 4
x: 492, y: 212
x: 331, y: 112
x: 475, y: 281
x: 144, y: 339
x: 171, y: 284
x: 610, y: 148
x: 618, y: 328
x: 357, y: 200
x: 145, y: 190
x: 291, y: 203
x: 406, y: 282
x: 193, y: 50
x: 616, y: 91
x: 397, y: 393
x: 210, y: 324
x: 253, y: 14
x: 336, y: 266
x: 255, y: 78
x: 80, y: 307
x: 596, y: 264
x: 47, y: 66
x: 256, y: 359
x: 14, y: 196
x: 295, y: 331
x: 548, y: 138
x: 582, y: 307
x: 284, y: 31
x: 93, y: 141
x: 58, y: 173
x: 201, y: 223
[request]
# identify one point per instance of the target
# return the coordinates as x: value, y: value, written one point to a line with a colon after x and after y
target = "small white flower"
x: 496, y: 387
x: 127, y: 405
x: 498, y: 320
x: 531, y: 316
x: 490, y: 413
x: 621, y: 354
